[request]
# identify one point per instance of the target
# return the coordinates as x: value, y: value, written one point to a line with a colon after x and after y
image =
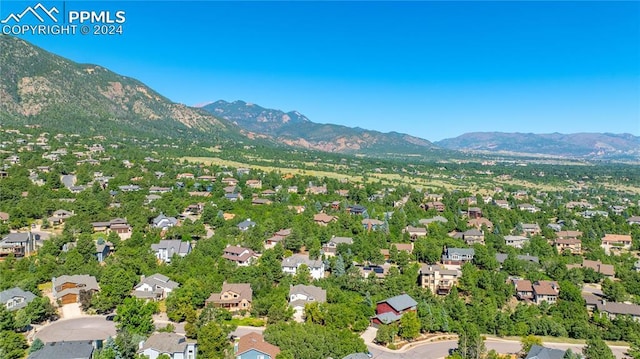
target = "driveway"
x: 86, y: 328
x: 71, y: 311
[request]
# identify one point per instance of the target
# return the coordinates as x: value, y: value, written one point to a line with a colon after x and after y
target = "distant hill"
x: 585, y: 145
x: 295, y: 129
x: 38, y: 87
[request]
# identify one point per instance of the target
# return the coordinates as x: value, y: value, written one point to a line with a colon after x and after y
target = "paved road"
x: 86, y: 328
x: 439, y: 350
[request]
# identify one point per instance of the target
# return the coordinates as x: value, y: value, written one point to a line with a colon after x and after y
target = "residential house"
x: 185, y: 176
x: 233, y: 197
x: 437, y: 205
x: 58, y: 217
x: 568, y: 234
x: 357, y: 210
x: 19, y: 244
x: 277, y: 237
x: 154, y: 287
x: 616, y: 241
x: 77, y: 349
x: 391, y: 310
x: 15, y: 298
x: 67, y: 288
x: 516, y: 241
x: 438, y: 279
x: 103, y: 250
x: 239, y: 255
x: 606, y: 270
x: 574, y: 246
x: 415, y: 232
x: 330, y: 248
x: 406, y: 247
x: 254, y: 183
x: 537, y: 292
x: 457, y: 256
x: 4, y: 217
x: 590, y: 214
x: 502, y: 203
x: 378, y: 271
x: 174, y: 345
x: 167, y: 248
x: 200, y: 194
x: 539, y: 352
x: 301, y: 294
x: 243, y: 171
x: 474, y: 212
x: 117, y: 225
x: 157, y: 189
x: 245, y: 225
x: 528, y: 207
x: 291, y: 264
x: 129, y: 188
x: 253, y: 346
x: 317, y: 190
x: 479, y: 222
x: 163, y: 222
x: 611, y: 309
x: 530, y: 229
x: 471, y: 236
x: 233, y: 297
x: 634, y: 220
x: 260, y: 201
x: 371, y: 224
x: 324, y: 219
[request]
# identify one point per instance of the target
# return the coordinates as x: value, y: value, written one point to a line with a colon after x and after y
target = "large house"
x: 67, y: 288
x: 18, y: 244
x: 15, y: 298
x: 233, y: 297
x: 324, y: 219
x: 300, y: 294
x: 253, y: 346
x: 606, y: 270
x: 573, y: 245
x: 277, y: 237
x: 471, y: 236
x: 117, y: 225
x: 167, y: 248
x: 391, y: 310
x: 438, y: 279
x: 457, y: 256
x: 291, y: 264
x: 245, y: 225
x: 171, y: 344
x: 155, y: 287
x: 537, y: 292
x: 530, y: 229
x: 239, y: 255
x: 330, y: 248
x: 163, y: 222
x: 611, y: 309
x: 415, y: 232
x: 616, y: 241
x: 372, y: 224
x: 516, y: 241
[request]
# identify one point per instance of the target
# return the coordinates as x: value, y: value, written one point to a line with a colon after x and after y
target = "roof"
x: 89, y: 281
x: 606, y: 269
x: 323, y: 217
x: 461, y: 251
x: 387, y: 317
x: 544, y: 287
x: 298, y: 259
x: 246, y: 224
x: 611, y: 307
x: 318, y: 294
x: 538, y: 352
x: 524, y: 286
x: 616, y: 238
x: 429, y: 269
x: 161, y: 217
x: 82, y: 349
x: 400, y: 302
x: 256, y: 342
x: 341, y: 240
x: 501, y: 257
x: 172, y: 246
x: 16, y: 237
x: 166, y: 343
x: 158, y: 280
x: 10, y: 293
x: 243, y: 290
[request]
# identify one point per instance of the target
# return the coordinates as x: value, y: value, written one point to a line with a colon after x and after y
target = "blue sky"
x: 431, y: 69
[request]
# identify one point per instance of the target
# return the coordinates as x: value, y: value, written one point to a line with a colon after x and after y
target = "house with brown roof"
x: 530, y: 229
x: 524, y: 289
x: 438, y: 278
x: 616, y: 242
x: 233, y: 297
x: 607, y: 270
x: 415, y: 232
x: 406, y: 247
x: 568, y: 234
x: 502, y: 203
x: 574, y: 246
x: 253, y: 346
x: 254, y: 183
x: 479, y: 222
x: 474, y: 212
x: 4, y: 217
x: 67, y: 288
x: 300, y: 295
x: 330, y: 248
x: 241, y: 256
x: 324, y: 219
x: 634, y: 220
x: 537, y: 292
x: 437, y: 205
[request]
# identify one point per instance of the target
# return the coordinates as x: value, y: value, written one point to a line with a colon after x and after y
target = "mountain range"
x: 582, y: 145
x: 38, y: 87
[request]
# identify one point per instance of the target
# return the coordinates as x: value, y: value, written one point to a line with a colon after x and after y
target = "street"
x: 85, y: 328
